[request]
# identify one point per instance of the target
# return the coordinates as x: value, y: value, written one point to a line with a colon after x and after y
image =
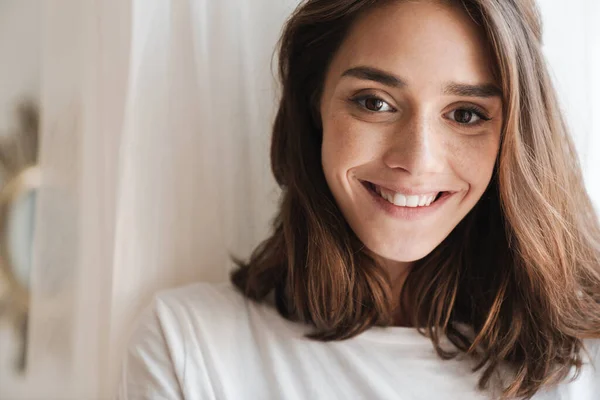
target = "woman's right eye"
x: 373, y: 104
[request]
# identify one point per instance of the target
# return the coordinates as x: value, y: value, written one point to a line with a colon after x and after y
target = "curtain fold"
x: 156, y: 123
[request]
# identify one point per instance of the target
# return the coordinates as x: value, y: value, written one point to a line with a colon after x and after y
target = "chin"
x: 404, y: 252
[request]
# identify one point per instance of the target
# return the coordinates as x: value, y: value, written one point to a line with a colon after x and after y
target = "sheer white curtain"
x: 156, y: 122
x: 155, y: 131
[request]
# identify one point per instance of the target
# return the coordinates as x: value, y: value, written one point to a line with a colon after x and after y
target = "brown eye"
x: 468, y: 116
x: 373, y: 104
x: 463, y: 116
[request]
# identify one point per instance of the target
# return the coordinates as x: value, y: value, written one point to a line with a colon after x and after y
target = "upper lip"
x: 412, y: 190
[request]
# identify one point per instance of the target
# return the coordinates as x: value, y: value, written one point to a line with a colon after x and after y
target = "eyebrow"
x: 485, y: 90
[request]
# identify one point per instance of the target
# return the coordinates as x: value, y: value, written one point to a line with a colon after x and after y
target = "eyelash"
x: 358, y: 99
x: 477, y: 111
x: 470, y: 108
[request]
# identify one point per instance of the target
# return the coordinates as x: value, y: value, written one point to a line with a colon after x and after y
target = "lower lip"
x: 406, y: 213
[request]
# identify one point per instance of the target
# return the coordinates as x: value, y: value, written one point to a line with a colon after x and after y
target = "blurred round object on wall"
x: 17, y: 218
x: 19, y: 181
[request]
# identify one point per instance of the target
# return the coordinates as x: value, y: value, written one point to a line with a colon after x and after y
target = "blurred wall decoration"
x: 20, y: 68
x: 153, y: 157
x: 19, y: 182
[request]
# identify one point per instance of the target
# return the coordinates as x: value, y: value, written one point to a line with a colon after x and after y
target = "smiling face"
x: 411, y: 114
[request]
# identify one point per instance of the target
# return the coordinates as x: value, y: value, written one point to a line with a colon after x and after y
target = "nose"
x: 415, y: 147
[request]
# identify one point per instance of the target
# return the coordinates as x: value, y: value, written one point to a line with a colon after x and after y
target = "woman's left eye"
x: 468, y: 116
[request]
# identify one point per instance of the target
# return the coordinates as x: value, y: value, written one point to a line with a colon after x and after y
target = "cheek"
x: 345, y: 145
x: 474, y: 159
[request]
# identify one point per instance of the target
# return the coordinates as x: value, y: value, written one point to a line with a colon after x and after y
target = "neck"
x: 397, y: 272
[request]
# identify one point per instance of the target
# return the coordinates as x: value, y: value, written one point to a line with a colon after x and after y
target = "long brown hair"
x: 523, y: 267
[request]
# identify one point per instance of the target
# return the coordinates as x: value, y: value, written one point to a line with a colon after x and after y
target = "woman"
x: 434, y: 238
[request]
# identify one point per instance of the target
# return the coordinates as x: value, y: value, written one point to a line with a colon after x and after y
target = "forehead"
x: 422, y: 41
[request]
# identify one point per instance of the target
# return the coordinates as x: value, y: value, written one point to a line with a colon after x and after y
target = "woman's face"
x: 411, y: 114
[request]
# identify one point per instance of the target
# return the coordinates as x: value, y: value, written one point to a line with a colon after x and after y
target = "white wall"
x: 572, y: 47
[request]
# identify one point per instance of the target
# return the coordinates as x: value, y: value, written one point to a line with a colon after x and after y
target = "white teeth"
x: 406, y: 201
x: 412, y: 201
x: 399, y: 200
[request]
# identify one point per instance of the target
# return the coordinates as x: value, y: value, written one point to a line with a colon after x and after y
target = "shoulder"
x: 203, y: 315
x: 592, y: 354
x: 587, y: 382
x: 201, y: 299
x: 176, y: 334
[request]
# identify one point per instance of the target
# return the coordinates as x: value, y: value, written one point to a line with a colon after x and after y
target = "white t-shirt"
x: 207, y: 341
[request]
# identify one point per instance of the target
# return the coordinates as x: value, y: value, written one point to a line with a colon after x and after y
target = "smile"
x: 405, y: 200
x: 406, y: 206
